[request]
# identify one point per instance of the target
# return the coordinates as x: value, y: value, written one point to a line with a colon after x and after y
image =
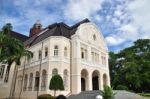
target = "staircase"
x: 86, y: 95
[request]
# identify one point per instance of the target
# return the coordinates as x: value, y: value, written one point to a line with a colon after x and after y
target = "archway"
x: 84, y: 76
x: 95, y: 80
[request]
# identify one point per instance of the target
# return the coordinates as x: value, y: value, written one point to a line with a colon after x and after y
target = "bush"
x: 107, y: 93
x: 121, y: 87
x: 45, y: 96
x: 61, y: 97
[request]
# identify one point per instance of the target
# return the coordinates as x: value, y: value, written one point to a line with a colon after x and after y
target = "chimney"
x: 37, y: 27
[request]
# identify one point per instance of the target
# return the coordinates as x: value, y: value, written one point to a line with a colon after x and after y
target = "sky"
x: 121, y: 21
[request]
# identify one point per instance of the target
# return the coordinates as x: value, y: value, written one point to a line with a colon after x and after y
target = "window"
x: 40, y: 54
x: 83, y: 53
x: 94, y: 37
x: 65, y: 51
x: 56, y: 50
x: 43, y: 84
x: 30, y: 81
x: 54, y: 72
x: 46, y: 51
x: 25, y: 82
x: 2, y: 68
x: 103, y: 60
x: 95, y: 57
x: 65, y: 78
x: 37, y: 79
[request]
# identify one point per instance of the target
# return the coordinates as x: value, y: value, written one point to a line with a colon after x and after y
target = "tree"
x: 131, y: 67
x: 11, y: 50
x: 56, y: 83
x: 107, y: 93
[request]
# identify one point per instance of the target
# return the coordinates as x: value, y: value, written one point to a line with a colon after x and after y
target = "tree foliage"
x: 56, y: 83
x: 11, y: 49
x: 131, y: 67
x: 107, y: 93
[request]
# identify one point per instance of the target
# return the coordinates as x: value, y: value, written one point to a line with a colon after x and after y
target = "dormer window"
x: 56, y: 50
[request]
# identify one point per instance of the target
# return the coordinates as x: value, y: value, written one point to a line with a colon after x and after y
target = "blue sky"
x: 121, y: 21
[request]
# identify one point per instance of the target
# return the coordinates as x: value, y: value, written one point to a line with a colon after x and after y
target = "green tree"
x: 107, y: 93
x: 11, y: 50
x: 131, y: 67
x: 56, y: 83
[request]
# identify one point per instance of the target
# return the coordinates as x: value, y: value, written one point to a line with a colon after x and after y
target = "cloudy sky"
x: 121, y: 21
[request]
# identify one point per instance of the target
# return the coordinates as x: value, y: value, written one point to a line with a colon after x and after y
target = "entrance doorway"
x: 95, y: 80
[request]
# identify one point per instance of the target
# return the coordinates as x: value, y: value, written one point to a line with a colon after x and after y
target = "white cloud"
x: 139, y: 10
x: 118, y: 13
x: 79, y: 9
x: 114, y: 40
x: 132, y: 21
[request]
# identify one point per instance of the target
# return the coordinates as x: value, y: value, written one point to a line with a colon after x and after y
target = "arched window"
x: 54, y: 72
x: 94, y: 37
x: 40, y: 54
x: 37, y: 80
x: 30, y: 81
x: 65, y: 78
x: 65, y: 51
x: 46, y: 51
x: 43, y: 84
x: 56, y: 50
x: 25, y: 82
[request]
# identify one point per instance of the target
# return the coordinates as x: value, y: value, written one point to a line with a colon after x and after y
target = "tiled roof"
x: 19, y: 36
x: 56, y: 29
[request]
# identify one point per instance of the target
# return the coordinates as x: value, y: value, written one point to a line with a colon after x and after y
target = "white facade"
x: 82, y: 62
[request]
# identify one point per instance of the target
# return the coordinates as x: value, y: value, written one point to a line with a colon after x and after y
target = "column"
x: 90, y: 81
x: 101, y: 81
x: 89, y: 53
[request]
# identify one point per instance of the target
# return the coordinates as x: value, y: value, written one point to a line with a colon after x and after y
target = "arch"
x: 30, y: 81
x: 56, y: 50
x: 65, y: 51
x: 104, y: 79
x: 84, y: 79
x: 54, y: 71
x: 95, y: 80
x: 37, y: 81
x: 25, y: 82
x: 65, y: 78
x: 43, y: 83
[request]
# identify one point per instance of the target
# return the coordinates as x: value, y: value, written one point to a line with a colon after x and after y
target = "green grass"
x: 145, y: 94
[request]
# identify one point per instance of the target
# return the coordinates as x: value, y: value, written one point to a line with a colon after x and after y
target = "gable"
x: 89, y: 32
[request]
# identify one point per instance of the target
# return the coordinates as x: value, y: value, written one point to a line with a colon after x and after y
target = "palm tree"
x: 23, y: 53
x: 11, y: 50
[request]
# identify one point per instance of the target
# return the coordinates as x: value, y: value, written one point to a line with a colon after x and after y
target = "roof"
x: 56, y: 29
x: 19, y: 36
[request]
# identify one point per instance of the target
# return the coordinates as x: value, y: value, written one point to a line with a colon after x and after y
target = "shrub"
x: 121, y: 87
x: 45, y: 96
x: 56, y: 83
x: 107, y: 93
x: 61, y: 97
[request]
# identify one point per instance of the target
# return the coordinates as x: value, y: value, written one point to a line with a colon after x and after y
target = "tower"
x: 37, y: 27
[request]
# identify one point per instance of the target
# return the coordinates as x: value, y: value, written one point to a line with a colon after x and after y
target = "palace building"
x: 77, y: 53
